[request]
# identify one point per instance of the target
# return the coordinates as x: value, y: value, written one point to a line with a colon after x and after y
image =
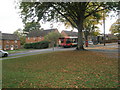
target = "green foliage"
x: 29, y: 26
x: 115, y: 27
x: 53, y: 37
x: 73, y: 12
x: 37, y: 45
x: 28, y: 45
x: 70, y: 11
x: 21, y: 35
x: 95, y: 33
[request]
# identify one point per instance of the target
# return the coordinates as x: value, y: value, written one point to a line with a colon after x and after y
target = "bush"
x: 37, y: 45
x: 44, y: 44
x: 28, y: 45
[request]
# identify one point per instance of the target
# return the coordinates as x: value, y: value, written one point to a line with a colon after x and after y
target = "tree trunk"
x: 80, y: 41
x: 80, y: 36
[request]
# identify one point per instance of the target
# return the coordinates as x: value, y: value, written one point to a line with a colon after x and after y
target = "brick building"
x: 69, y: 33
x: 37, y: 36
x: 9, y: 41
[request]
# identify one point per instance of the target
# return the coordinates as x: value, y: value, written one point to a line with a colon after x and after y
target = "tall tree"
x: 21, y: 35
x: 115, y: 27
x: 74, y: 12
x: 53, y: 37
x: 29, y: 26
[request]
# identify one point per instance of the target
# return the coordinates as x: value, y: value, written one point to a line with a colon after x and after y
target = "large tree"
x: 21, y: 35
x: 73, y: 12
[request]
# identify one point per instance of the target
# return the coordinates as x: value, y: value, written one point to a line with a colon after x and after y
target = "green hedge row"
x: 37, y: 45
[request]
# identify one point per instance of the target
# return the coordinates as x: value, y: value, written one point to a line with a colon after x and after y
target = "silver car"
x: 3, y: 53
x: 90, y: 42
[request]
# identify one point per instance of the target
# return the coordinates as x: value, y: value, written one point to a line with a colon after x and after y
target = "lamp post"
x: 104, y: 27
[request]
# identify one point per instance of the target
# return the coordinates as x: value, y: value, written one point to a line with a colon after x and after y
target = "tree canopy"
x: 21, y: 35
x: 29, y: 26
x: 115, y: 27
x: 53, y: 37
x: 73, y: 12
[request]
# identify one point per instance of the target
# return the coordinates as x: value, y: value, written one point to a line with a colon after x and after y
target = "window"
x: 28, y: 38
x: 68, y: 41
x: 15, y: 41
x: 41, y: 37
x: 62, y: 40
x: 7, y: 46
x: 12, y: 46
x: 34, y: 38
x: 16, y: 46
x: 7, y: 41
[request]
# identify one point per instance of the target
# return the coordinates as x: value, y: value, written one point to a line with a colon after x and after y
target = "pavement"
x: 108, y: 48
x: 112, y: 50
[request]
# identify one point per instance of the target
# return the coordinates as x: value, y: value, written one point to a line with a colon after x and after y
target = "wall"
x: 34, y: 39
x: 64, y: 34
x: 12, y: 44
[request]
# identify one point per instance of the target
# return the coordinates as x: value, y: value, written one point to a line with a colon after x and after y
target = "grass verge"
x: 65, y: 69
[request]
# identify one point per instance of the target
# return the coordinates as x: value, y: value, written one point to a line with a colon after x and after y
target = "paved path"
x: 35, y: 52
x: 111, y: 50
x: 98, y: 48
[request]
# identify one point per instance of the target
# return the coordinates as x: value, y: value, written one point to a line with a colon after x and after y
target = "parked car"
x: 90, y: 42
x: 118, y: 41
x: 3, y: 53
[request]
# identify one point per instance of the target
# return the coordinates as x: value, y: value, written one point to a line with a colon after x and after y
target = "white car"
x: 3, y: 53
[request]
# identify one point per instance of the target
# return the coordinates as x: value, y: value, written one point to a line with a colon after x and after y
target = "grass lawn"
x: 66, y: 69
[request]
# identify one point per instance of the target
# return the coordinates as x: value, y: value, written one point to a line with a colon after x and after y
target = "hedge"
x: 37, y: 45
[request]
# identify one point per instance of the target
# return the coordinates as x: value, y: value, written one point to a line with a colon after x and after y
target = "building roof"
x: 6, y: 36
x: 42, y: 33
x: 71, y: 33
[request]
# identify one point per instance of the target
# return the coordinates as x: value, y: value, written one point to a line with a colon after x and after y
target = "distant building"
x: 9, y: 41
x: 69, y: 33
x: 37, y: 35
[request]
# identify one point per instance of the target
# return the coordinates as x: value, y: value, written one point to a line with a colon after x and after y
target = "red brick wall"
x: 34, y: 39
x: 0, y: 44
x: 64, y: 34
x: 16, y: 45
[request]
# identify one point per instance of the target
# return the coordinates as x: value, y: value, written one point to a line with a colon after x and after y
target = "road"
x: 97, y: 48
x: 35, y: 52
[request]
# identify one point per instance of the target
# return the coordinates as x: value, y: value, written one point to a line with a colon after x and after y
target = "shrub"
x: 37, y: 45
x: 28, y: 45
x: 44, y: 44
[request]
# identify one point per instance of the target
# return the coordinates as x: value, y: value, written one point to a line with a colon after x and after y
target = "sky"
x: 10, y: 19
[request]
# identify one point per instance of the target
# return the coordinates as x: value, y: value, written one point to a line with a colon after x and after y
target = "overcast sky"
x: 11, y: 21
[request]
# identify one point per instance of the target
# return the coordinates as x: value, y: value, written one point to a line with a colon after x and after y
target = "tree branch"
x: 94, y: 11
x: 70, y: 14
x: 64, y: 16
